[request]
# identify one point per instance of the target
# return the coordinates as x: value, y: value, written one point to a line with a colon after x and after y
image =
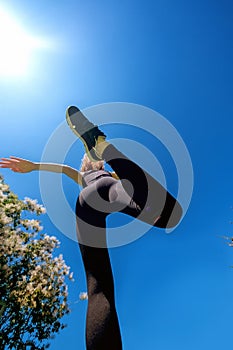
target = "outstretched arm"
x: 21, y: 165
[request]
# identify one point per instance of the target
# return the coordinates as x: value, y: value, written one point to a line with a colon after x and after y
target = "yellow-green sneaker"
x: 85, y: 130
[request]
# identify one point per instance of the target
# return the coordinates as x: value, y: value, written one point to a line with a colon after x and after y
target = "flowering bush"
x: 33, y: 292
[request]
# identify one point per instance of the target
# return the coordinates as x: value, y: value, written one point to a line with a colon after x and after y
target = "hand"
x: 17, y: 165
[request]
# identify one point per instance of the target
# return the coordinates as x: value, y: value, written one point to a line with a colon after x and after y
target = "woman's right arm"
x: 21, y: 165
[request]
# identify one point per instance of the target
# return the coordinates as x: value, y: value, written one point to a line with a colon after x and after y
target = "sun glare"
x: 16, y: 45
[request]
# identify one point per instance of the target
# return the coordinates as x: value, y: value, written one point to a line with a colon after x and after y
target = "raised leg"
x: 158, y: 207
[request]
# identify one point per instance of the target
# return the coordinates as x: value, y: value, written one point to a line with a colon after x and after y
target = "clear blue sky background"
x: 173, y: 291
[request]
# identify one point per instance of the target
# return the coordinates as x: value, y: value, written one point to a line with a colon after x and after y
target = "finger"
x: 6, y: 165
x: 17, y: 158
x: 10, y: 161
x: 5, y: 160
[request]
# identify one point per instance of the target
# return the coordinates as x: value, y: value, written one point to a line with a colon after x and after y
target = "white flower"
x: 38, y: 268
x: 4, y: 187
x: 83, y: 296
x: 30, y: 201
x: 4, y: 219
x: 43, y: 210
x: 2, y: 195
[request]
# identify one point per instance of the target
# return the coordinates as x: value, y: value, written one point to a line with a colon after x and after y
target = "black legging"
x: 140, y: 196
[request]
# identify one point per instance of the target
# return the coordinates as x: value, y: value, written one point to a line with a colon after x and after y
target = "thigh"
x: 90, y: 224
x: 126, y: 204
x: 122, y: 202
x: 159, y: 207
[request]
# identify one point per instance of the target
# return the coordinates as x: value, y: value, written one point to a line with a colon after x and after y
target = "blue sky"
x: 173, y: 291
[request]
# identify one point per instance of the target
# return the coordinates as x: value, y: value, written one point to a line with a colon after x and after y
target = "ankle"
x: 100, y: 146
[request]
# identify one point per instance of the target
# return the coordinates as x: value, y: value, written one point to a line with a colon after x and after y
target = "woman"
x: 128, y: 189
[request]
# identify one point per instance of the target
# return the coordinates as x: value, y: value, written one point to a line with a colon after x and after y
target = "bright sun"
x: 17, y: 47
